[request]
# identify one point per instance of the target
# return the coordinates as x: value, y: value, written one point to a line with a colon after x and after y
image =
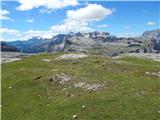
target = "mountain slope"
x: 93, y: 42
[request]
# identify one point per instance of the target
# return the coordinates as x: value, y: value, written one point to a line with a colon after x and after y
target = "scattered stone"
x: 69, y: 95
x: 51, y: 97
x: 71, y: 56
x: 74, y: 116
x: 89, y: 87
x: 152, y: 56
x: 46, y: 60
x: 62, y: 78
x: 10, y: 87
x: 142, y: 93
x: 153, y: 73
x: 37, y: 78
x: 39, y: 96
x: 83, y: 107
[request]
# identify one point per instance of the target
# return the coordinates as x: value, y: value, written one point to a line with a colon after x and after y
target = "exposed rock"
x: 10, y: 87
x: 61, y: 78
x: 74, y: 116
x: 152, y: 40
x: 71, y: 56
x: 12, y: 56
x: 83, y: 107
x: 46, y: 60
x: 153, y: 73
x: 141, y: 93
x: 152, y: 56
x: 89, y: 87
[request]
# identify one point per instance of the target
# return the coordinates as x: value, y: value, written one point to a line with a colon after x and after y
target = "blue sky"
x: 21, y: 20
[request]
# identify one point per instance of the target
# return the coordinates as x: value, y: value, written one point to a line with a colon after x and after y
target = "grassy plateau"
x: 32, y: 91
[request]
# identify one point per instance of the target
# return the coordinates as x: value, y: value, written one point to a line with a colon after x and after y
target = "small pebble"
x: 83, y: 107
x: 74, y: 116
x: 10, y: 87
x: 51, y: 97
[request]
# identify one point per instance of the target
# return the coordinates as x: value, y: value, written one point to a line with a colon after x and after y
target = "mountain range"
x: 92, y: 42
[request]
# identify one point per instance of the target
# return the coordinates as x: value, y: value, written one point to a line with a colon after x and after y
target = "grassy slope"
x: 118, y: 101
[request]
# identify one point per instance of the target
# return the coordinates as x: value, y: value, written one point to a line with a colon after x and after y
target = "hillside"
x: 82, y: 87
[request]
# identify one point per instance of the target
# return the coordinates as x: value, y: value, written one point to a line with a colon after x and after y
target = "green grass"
x: 120, y: 100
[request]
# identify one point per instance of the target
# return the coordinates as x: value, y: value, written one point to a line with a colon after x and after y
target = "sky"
x: 24, y: 19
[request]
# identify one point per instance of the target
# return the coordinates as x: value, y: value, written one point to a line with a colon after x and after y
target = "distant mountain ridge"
x: 8, y: 48
x: 92, y: 42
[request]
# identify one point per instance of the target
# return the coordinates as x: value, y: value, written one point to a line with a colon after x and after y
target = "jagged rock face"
x: 153, y: 40
x: 78, y: 44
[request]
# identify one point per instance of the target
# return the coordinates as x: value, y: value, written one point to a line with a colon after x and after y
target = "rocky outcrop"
x: 151, y: 41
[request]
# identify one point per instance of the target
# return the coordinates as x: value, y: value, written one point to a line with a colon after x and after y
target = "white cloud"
x: 78, y: 20
x: 12, y: 34
x: 3, y: 14
x: 9, y: 34
x: 150, y: 23
x: 30, y: 20
x: 103, y: 26
x: 71, y: 26
x: 9, y: 31
x: 48, y: 4
x: 36, y: 33
x: 92, y: 12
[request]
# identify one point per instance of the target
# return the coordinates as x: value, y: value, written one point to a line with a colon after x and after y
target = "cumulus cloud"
x: 92, y: 12
x: 150, y: 23
x: 48, y: 4
x: 78, y: 20
x: 9, y: 34
x: 71, y: 26
x: 3, y: 14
